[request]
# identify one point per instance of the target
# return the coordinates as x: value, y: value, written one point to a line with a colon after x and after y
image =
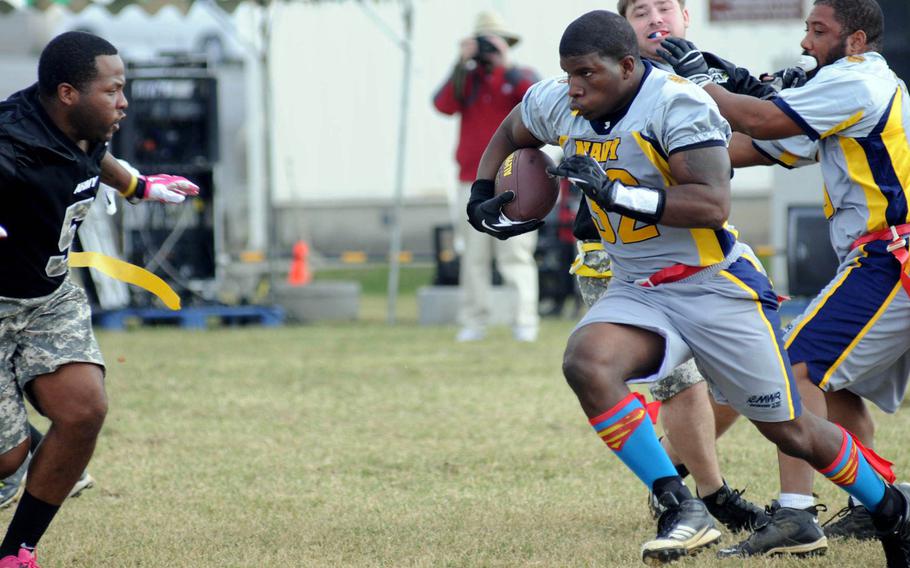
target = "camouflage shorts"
x: 682, y: 377
x: 37, y: 336
x: 594, y: 262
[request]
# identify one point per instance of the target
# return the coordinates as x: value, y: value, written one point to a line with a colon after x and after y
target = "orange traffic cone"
x: 300, y: 275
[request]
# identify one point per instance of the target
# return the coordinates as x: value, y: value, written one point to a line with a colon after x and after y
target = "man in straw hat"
x: 483, y: 88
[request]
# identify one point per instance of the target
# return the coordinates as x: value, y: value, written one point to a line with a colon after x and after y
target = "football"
x: 525, y: 173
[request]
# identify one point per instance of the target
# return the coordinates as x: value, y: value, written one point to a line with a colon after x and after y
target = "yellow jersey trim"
x: 781, y: 361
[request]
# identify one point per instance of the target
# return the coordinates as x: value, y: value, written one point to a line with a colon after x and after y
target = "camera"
x: 485, y: 48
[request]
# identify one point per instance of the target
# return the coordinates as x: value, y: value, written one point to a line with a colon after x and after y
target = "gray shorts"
x: 682, y: 377
x: 728, y: 322
x: 37, y: 336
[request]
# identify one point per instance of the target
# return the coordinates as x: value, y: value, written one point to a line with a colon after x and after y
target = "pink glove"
x: 165, y: 188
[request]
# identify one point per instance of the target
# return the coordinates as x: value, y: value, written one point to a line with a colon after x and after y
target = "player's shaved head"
x: 604, y: 33
x: 70, y: 58
x: 856, y: 15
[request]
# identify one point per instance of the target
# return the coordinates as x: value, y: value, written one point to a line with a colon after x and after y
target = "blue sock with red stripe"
x: 626, y: 429
x: 852, y: 472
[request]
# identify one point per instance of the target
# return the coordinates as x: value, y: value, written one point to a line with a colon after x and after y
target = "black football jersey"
x: 47, y: 185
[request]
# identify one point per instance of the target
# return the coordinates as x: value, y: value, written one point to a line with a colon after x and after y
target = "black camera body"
x: 485, y: 49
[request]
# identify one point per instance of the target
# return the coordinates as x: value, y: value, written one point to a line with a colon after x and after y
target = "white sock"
x: 854, y: 502
x: 796, y: 500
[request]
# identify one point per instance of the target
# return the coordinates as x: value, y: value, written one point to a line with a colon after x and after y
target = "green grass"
x: 374, y: 280
x: 366, y: 445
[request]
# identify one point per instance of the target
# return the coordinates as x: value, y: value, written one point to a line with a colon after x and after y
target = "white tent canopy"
x: 263, y: 226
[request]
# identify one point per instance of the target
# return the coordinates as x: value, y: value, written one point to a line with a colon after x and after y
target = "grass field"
x: 366, y: 445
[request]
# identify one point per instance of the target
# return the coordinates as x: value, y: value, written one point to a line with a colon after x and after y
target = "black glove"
x: 686, y: 60
x: 586, y: 174
x: 642, y: 203
x: 485, y: 212
x: 788, y: 78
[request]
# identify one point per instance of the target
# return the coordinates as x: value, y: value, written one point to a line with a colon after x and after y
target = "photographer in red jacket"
x: 483, y: 88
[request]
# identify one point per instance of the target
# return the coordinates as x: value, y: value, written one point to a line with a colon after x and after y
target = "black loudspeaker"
x: 181, y: 237
x: 172, y: 127
x: 897, y: 43
x: 172, y: 120
x: 811, y: 262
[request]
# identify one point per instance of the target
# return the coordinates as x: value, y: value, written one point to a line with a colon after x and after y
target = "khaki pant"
x: 514, y: 259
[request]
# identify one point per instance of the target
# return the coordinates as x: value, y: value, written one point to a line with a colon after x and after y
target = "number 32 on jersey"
x: 628, y: 232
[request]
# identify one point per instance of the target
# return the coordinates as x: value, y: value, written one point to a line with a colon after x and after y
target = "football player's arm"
x: 701, y: 197
x: 114, y: 174
x: 133, y: 186
x: 511, y: 135
x: 743, y: 153
x: 760, y: 119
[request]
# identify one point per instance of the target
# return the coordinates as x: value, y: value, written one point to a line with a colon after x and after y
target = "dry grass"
x: 366, y: 445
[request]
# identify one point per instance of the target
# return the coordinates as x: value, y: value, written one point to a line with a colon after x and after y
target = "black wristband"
x: 139, y: 194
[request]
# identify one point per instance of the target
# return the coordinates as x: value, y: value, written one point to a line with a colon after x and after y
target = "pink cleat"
x: 25, y: 559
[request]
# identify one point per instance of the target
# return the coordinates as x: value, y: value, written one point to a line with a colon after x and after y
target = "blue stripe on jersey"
x: 655, y: 144
x: 769, y: 156
x: 882, y: 168
x: 795, y: 117
x: 824, y: 338
x: 697, y: 145
x: 756, y: 281
x: 726, y: 239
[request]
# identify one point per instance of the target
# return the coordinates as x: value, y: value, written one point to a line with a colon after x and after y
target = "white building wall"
x: 337, y: 76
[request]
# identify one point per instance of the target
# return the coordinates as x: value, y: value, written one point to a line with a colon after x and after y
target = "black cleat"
x: 850, y: 522
x: 737, y: 514
x: 787, y: 531
x: 684, y: 529
x: 896, y: 538
x: 654, y: 506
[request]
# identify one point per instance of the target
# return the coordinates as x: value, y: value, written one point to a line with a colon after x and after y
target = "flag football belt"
x: 669, y: 274
x: 126, y: 272
x: 678, y: 272
x: 897, y: 246
x: 579, y: 268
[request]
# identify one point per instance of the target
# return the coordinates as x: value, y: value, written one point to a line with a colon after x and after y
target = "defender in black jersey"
x: 53, y: 156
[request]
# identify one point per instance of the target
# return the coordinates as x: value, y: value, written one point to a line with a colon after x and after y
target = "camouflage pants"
x: 37, y: 336
x: 682, y: 377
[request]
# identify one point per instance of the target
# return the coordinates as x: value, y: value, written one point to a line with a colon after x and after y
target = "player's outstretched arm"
x: 743, y: 154
x: 164, y: 188
x: 760, y: 119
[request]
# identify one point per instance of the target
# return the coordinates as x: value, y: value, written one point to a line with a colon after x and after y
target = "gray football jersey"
x: 668, y: 114
x: 858, y: 112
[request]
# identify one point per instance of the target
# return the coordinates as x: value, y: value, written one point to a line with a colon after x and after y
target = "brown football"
x: 525, y: 173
